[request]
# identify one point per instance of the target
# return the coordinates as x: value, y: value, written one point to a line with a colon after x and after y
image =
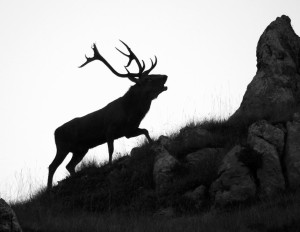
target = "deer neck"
x: 137, y: 103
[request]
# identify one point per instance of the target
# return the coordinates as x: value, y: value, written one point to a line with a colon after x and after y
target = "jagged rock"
x: 268, y: 132
x: 235, y: 183
x: 8, y: 219
x: 292, y: 155
x: 266, y: 140
x: 274, y: 92
x: 163, y: 165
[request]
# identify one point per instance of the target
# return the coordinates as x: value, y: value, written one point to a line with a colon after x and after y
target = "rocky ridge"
x: 274, y: 92
x: 268, y: 162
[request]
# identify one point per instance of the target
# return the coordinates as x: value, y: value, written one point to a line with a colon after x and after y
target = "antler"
x: 132, y: 57
x: 131, y: 76
x: 146, y: 73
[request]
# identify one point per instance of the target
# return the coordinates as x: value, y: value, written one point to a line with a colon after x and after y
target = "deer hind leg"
x: 76, y: 158
x: 59, y: 158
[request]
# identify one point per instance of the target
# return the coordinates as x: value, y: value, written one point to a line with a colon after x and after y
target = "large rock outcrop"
x: 274, y: 92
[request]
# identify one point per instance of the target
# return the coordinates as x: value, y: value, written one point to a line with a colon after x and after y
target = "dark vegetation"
x: 122, y: 197
x: 277, y: 215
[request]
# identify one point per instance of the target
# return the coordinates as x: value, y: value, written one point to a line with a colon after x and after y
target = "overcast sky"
x: 207, y: 49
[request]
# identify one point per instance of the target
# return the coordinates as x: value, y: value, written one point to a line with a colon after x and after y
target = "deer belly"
x: 91, y: 141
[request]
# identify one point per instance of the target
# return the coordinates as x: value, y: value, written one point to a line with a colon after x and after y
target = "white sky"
x: 207, y: 48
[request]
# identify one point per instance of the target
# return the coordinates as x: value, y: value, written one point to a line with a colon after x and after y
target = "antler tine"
x: 143, y: 67
x: 96, y: 56
x: 129, y: 56
x: 132, y: 57
x: 151, y: 68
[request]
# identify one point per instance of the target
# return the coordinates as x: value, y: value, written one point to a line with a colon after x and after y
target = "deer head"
x: 148, y: 85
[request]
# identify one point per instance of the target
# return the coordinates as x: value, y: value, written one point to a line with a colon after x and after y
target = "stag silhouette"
x: 119, y: 118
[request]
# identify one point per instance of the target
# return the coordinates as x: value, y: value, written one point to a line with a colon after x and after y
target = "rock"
x: 296, y: 117
x: 163, y: 165
x: 235, y: 183
x: 197, y: 194
x: 203, y: 156
x: 274, y: 92
x: 164, y: 141
x: 194, y: 138
x: 292, y: 155
x: 189, y: 139
x: 208, y: 160
x: 262, y: 141
x: 135, y: 151
x: 268, y: 132
x: 8, y: 219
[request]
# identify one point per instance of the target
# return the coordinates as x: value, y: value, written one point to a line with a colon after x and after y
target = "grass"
x: 276, y: 215
x: 122, y: 197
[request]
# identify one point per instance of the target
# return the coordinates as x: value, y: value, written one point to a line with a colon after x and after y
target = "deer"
x: 119, y: 118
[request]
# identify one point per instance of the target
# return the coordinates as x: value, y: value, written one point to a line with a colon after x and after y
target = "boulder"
x: 163, y: 165
x: 235, y: 182
x: 268, y: 132
x: 205, y: 163
x: 8, y: 219
x: 195, y: 137
x: 189, y: 139
x: 274, y: 92
x: 198, y: 194
x: 266, y: 140
x: 292, y: 155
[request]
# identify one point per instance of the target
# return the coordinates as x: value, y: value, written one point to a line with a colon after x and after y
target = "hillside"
x: 125, y: 197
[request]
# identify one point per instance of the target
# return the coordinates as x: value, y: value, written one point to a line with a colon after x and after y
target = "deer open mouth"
x: 164, y: 80
x: 159, y: 91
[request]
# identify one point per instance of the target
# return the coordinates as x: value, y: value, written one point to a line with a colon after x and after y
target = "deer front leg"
x: 137, y: 132
x: 110, y: 145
